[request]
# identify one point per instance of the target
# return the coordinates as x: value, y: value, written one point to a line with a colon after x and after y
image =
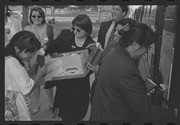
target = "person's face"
x: 23, y: 55
x: 117, y: 36
x: 117, y: 13
x: 78, y: 32
x: 36, y: 18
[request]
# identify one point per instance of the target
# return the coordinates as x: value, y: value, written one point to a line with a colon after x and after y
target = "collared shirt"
x: 108, y: 33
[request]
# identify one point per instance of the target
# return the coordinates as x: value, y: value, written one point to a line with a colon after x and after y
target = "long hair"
x: 23, y: 40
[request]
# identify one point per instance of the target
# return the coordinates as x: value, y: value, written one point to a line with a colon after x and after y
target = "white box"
x: 67, y: 65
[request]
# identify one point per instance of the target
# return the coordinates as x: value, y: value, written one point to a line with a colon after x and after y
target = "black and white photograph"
x: 91, y: 63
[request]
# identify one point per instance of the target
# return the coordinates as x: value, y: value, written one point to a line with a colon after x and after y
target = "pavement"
x: 45, y: 113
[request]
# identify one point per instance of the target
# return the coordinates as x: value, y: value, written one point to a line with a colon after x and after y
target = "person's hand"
x: 7, y: 31
x: 44, y: 47
x: 42, y: 71
x: 90, y: 46
x: 176, y: 112
x: 91, y: 67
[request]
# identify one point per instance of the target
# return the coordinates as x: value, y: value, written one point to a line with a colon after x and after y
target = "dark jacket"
x: 104, y: 27
x: 60, y: 44
x: 120, y: 92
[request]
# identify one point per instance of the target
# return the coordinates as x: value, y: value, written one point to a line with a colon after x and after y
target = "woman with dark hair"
x: 21, y: 48
x: 72, y: 95
x: 45, y: 34
x: 120, y: 93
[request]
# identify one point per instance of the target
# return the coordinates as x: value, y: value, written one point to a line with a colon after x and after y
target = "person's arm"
x: 20, y: 77
x: 38, y: 76
x: 132, y: 87
x: 58, y: 42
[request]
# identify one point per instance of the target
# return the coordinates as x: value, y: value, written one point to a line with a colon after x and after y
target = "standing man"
x: 120, y: 93
x: 119, y: 12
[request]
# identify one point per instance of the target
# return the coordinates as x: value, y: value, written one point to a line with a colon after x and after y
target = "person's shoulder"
x: 11, y: 60
x: 65, y: 32
x: 90, y: 39
x: 107, y: 21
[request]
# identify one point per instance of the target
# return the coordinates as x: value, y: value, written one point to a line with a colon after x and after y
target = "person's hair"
x: 131, y: 22
x: 41, y: 12
x: 139, y: 33
x: 23, y: 40
x: 83, y: 21
x: 124, y: 9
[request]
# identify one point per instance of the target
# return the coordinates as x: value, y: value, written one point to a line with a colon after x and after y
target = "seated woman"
x: 72, y: 95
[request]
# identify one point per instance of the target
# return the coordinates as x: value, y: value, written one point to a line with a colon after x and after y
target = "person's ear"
x: 135, y: 46
x: 17, y: 50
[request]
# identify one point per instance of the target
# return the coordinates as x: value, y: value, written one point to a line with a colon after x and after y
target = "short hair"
x: 125, y: 21
x: 23, y: 40
x: 83, y: 21
x: 139, y: 33
x: 41, y: 12
x: 124, y: 9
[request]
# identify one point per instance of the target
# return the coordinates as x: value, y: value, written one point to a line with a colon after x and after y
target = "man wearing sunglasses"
x: 118, y: 13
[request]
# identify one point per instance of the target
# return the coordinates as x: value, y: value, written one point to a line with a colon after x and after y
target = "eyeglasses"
x: 78, y: 30
x: 34, y: 16
x: 30, y: 53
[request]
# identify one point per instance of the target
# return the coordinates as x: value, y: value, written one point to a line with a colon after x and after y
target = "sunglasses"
x: 78, y: 30
x: 30, y: 53
x: 34, y: 16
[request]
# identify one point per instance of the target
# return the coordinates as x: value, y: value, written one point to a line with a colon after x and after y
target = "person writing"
x: 22, y: 47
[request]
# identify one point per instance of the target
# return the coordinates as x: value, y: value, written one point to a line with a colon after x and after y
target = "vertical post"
x: 98, y: 13
x: 159, y: 22
x: 25, y: 10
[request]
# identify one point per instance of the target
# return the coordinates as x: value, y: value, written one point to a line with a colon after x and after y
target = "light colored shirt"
x: 17, y: 79
x: 41, y: 34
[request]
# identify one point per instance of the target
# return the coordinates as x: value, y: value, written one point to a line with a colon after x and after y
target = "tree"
x: 25, y: 10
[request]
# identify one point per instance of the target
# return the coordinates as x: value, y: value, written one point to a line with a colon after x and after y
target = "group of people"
x: 118, y: 92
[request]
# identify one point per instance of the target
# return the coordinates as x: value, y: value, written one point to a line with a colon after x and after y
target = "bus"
x: 163, y: 57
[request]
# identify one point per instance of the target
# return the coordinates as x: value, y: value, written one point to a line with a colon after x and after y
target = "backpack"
x: 11, y: 111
